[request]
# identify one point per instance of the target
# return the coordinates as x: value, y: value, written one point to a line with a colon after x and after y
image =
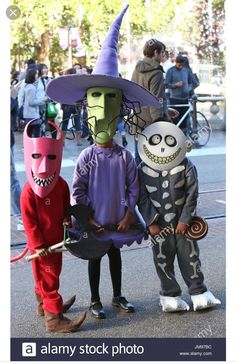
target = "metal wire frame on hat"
x: 129, y: 119
x: 128, y: 110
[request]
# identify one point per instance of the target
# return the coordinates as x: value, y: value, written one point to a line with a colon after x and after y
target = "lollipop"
x: 197, y: 229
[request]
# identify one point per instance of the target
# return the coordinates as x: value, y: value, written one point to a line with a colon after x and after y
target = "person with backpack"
x: 195, y: 79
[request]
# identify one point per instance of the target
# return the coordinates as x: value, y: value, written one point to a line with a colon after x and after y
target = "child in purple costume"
x: 105, y: 175
x: 105, y: 178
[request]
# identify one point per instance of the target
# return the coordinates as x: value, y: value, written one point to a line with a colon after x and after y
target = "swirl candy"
x: 198, y: 228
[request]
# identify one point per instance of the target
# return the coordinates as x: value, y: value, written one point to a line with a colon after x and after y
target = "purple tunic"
x: 107, y: 179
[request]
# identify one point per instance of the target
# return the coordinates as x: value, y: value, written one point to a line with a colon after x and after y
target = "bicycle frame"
x: 192, y: 108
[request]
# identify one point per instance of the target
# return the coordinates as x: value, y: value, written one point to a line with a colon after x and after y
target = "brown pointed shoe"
x: 68, y: 304
x: 60, y: 323
x: 39, y: 308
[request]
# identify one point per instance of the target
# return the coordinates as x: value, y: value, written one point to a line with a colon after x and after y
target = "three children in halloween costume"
x: 164, y: 192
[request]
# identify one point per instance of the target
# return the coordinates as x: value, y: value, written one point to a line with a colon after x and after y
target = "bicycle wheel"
x: 200, y: 133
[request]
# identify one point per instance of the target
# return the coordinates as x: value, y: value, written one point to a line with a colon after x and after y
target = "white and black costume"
x: 167, y: 201
x: 169, y: 197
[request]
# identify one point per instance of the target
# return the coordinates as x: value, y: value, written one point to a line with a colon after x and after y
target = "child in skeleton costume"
x: 44, y: 201
x: 105, y: 176
x: 167, y: 202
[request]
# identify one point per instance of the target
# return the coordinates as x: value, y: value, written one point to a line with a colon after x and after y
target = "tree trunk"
x: 43, y: 49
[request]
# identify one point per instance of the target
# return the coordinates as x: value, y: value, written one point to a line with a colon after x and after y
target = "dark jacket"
x: 149, y: 74
x: 181, y: 194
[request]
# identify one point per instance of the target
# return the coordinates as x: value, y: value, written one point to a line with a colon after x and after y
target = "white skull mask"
x: 162, y: 146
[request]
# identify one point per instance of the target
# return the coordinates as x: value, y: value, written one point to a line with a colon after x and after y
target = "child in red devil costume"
x: 45, y: 199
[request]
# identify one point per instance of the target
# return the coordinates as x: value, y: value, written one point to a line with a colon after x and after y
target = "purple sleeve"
x: 81, y: 181
x: 132, y: 185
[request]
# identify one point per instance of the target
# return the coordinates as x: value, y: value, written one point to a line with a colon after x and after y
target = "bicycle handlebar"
x: 191, y: 101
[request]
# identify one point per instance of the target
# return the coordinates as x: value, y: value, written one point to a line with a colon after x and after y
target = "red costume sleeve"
x: 43, y: 217
x: 30, y: 218
x: 66, y: 195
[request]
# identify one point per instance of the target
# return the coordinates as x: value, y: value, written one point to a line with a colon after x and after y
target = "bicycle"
x: 198, y: 129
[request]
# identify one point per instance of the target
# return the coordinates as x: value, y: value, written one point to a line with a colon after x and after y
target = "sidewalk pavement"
x: 71, y: 150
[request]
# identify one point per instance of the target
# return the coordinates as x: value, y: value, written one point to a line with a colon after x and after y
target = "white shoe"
x: 173, y: 304
x: 204, y: 300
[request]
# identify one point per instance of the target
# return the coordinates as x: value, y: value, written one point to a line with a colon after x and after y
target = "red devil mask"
x: 43, y: 158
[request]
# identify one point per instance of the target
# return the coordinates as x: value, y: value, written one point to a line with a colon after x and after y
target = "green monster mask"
x: 104, y: 104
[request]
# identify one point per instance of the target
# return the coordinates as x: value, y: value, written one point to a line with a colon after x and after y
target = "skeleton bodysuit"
x: 169, y: 197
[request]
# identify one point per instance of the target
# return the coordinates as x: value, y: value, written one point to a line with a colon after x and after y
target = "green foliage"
x: 93, y: 17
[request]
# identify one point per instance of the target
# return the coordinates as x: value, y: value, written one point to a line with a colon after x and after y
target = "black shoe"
x: 122, y: 303
x: 124, y: 142
x: 97, y: 310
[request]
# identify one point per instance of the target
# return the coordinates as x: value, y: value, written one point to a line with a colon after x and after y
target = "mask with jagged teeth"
x: 43, y: 158
x: 162, y: 146
x: 42, y: 181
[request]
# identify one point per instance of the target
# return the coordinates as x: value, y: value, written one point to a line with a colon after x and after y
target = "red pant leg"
x: 46, y: 274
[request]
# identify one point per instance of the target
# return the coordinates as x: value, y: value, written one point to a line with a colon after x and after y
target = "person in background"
x: 32, y: 101
x: 14, y: 107
x: 85, y: 70
x: 180, y: 83
x: 15, y: 89
x: 43, y: 80
x: 29, y: 64
x: 172, y: 56
x: 195, y: 80
x: 121, y: 129
x: 149, y: 73
x: 166, y: 62
x: 15, y: 184
x: 15, y: 78
x: 77, y: 67
x: 71, y: 110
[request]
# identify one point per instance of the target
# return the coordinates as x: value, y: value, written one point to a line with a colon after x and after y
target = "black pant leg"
x: 115, y: 269
x: 182, y: 110
x: 67, y: 111
x: 94, y: 268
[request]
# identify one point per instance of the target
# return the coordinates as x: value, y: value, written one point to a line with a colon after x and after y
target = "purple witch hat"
x: 70, y: 89
x: 107, y: 60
